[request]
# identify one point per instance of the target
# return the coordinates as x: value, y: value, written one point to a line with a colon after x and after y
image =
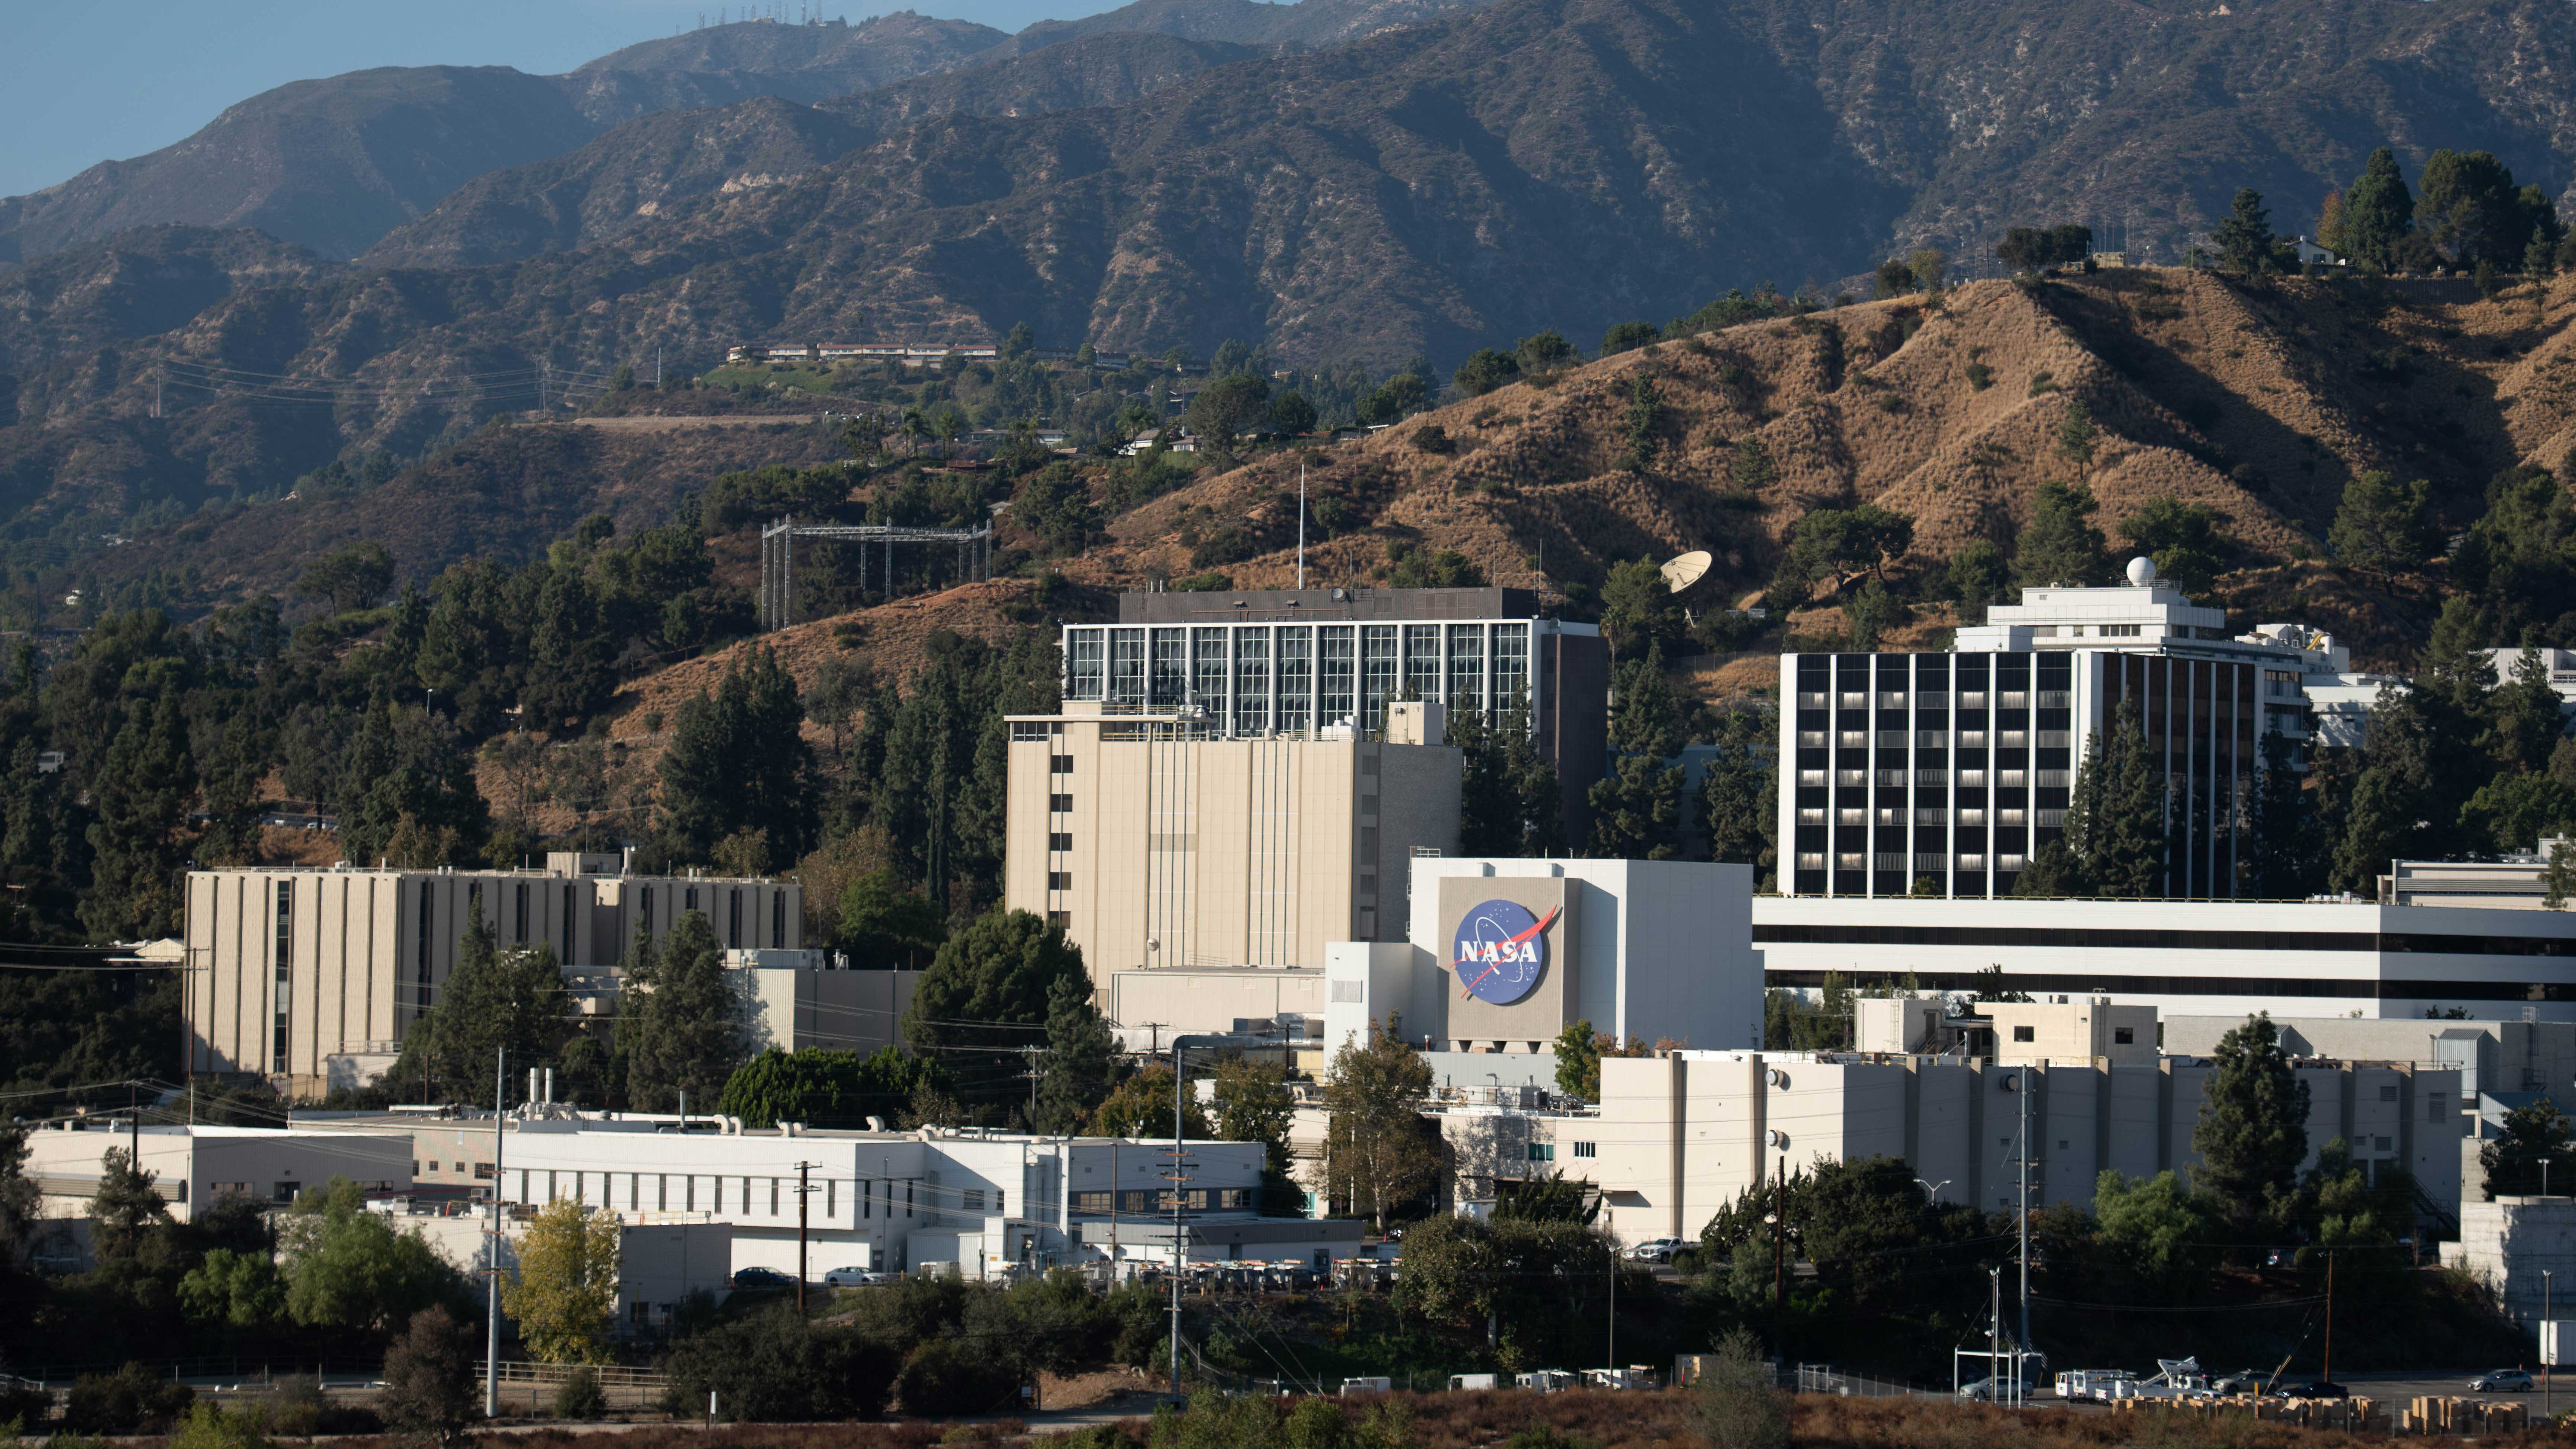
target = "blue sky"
x: 80, y: 86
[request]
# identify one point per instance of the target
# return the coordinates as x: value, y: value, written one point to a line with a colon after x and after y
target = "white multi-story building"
x: 1946, y: 773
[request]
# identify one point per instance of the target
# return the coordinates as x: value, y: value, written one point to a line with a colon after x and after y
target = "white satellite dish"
x: 1686, y: 570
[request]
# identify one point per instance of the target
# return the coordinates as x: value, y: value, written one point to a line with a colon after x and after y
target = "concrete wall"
x: 1207, y: 1000
x: 367, y: 950
x: 794, y: 1008
x: 2083, y: 1029
x: 2509, y: 1242
x: 1680, y: 1135
x: 1217, y: 852
x: 2495, y: 1056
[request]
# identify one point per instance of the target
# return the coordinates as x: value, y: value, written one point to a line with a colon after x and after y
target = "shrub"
x: 579, y: 1396
x: 949, y: 1376
x: 775, y: 1367
x: 209, y: 1426
x: 132, y: 1400
x: 2042, y: 382
x: 1980, y: 376
x: 1207, y: 583
x: 1433, y: 438
x: 429, y: 1377
x: 1738, y: 1405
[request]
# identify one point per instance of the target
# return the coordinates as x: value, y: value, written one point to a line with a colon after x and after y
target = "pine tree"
x: 687, y: 1029
x: 2378, y: 212
x: 2061, y: 545
x: 1489, y: 808
x: 1738, y: 794
x: 1538, y: 797
x: 2127, y: 839
x: 2244, y: 235
x: 144, y: 786
x: 1001, y: 971
x: 571, y: 671
x: 1637, y: 809
x: 737, y: 763
x: 2528, y: 725
x: 2253, y: 1128
x: 1081, y: 1063
x: 2381, y: 527
x: 2288, y: 857
x: 494, y: 1000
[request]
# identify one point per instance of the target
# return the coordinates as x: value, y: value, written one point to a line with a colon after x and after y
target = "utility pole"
x: 1031, y: 1075
x: 1780, y: 1241
x: 2548, y: 1338
x: 2022, y: 1345
x: 492, y: 1248
x: 2328, y: 1375
x: 1301, y: 526
x: 804, y: 1191
x: 1178, y: 1177
x: 1612, y: 1355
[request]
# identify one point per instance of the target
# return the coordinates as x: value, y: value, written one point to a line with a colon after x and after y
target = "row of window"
x: 1940, y: 779
x: 2121, y: 939
x: 1934, y: 862
x: 1290, y: 678
x: 2070, y: 982
x: 1149, y: 1201
x: 690, y: 1192
x: 1895, y: 816
x: 1546, y: 1151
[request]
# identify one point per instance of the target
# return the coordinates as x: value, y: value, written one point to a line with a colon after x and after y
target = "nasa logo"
x: 1500, y: 951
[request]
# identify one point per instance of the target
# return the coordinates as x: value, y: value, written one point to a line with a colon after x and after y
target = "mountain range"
x: 334, y: 164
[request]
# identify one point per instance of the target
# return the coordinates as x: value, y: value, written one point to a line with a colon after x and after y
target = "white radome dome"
x: 2142, y: 571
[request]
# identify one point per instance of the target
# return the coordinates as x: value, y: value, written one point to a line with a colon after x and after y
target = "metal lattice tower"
x: 778, y: 556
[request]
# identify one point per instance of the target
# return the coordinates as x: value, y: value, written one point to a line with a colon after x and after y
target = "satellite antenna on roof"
x: 1686, y: 570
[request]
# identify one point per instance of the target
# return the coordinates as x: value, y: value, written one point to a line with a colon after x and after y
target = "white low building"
x: 194, y: 1166
x: 905, y: 1200
x: 2195, y: 958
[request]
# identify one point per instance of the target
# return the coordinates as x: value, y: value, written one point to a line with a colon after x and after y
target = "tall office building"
x: 1294, y: 663
x: 1953, y: 769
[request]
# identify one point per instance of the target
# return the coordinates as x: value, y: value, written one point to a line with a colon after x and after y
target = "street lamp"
x: 1932, y: 1190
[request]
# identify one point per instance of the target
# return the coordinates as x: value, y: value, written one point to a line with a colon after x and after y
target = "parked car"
x: 762, y: 1278
x: 2502, y: 1381
x: 2243, y: 1381
x: 2319, y: 1389
x: 856, y: 1278
x: 1659, y: 1250
x: 1986, y: 1390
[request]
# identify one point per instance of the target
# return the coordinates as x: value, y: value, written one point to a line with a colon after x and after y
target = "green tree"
x: 882, y: 921
x: 2114, y: 841
x: 2253, y: 1128
x: 143, y: 789
x: 826, y: 1088
x: 1739, y: 790
x: 1637, y: 609
x: 1737, y: 1402
x: 1869, y: 612
x: 1578, y: 1062
x: 1484, y: 370
x: 1141, y: 1106
x: 2289, y: 843
x: 2060, y: 545
x: 1253, y: 1104
x: 493, y: 1000
x: 683, y: 1033
x: 20, y: 1201
x: 2558, y: 881
x: 2182, y: 539
x: 1637, y: 808
x: 2382, y: 527
x: 350, y: 577
x: 1628, y: 337
x: 1380, y: 1155
x: 738, y: 762
x: 1645, y: 418
x: 562, y: 1292
x: 2076, y: 434
x: 349, y: 1269
x: 1546, y: 351
x: 2471, y: 208
x: 2378, y: 212
x: 2528, y: 725
x: 2158, y: 1234
x: 1228, y: 407
x: 1080, y: 1067
x: 1000, y: 972
x: 1979, y: 573
x: 774, y: 1367
x: 2531, y: 1135
x: 1291, y: 414
x: 1833, y: 546
x: 429, y: 1378
x: 571, y: 669
x: 2244, y: 235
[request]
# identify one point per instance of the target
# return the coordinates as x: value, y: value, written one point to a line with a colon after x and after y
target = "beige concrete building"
x: 297, y: 974
x: 1156, y: 843
x: 2091, y: 1028
x: 1680, y: 1135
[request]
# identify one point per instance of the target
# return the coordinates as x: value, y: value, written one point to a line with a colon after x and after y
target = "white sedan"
x: 856, y: 1278
x: 1660, y: 1250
